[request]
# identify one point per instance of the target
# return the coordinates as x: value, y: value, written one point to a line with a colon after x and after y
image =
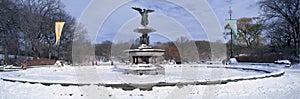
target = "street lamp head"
x: 230, y: 11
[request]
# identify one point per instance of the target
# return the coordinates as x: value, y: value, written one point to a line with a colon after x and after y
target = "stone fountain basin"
x: 145, y: 52
x: 144, y: 30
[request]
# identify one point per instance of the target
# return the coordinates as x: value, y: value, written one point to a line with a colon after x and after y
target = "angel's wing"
x: 149, y: 10
x: 137, y: 9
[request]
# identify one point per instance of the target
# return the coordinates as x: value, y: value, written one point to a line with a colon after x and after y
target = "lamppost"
x: 231, y: 40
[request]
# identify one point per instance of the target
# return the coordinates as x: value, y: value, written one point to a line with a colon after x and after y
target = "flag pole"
x: 58, y: 51
x: 231, y: 40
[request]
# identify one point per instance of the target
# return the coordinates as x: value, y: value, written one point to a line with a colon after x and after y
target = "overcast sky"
x: 171, y: 19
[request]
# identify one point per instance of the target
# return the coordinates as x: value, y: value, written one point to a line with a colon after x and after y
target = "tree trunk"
x: 5, y: 47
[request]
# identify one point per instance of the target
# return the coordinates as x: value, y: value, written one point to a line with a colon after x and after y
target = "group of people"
x: 97, y: 63
x: 170, y: 61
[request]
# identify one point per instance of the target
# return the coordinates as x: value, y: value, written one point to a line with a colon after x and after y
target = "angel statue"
x: 144, y: 14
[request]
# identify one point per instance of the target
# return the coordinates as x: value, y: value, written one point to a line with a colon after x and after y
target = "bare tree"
x: 9, y: 27
x: 282, y: 17
x: 27, y: 28
x: 38, y: 23
x: 103, y: 49
x: 187, y: 49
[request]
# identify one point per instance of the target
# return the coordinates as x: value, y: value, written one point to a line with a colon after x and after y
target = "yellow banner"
x: 58, y: 29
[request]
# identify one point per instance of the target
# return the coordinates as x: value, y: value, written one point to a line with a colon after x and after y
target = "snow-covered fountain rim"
x: 268, y: 72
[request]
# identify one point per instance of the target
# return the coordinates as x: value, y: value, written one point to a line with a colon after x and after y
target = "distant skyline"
x: 167, y: 18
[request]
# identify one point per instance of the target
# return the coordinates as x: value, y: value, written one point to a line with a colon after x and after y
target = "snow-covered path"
x: 287, y: 86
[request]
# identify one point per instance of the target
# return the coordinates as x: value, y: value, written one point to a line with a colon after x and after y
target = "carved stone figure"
x: 144, y: 39
x: 144, y: 14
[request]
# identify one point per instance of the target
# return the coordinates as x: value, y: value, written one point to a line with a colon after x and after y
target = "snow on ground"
x: 286, y: 86
x: 110, y: 74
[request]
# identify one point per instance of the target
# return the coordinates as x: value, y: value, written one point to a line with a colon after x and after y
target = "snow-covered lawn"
x: 286, y: 86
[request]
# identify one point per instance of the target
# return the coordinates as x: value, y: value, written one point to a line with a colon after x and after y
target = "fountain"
x: 144, y: 59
